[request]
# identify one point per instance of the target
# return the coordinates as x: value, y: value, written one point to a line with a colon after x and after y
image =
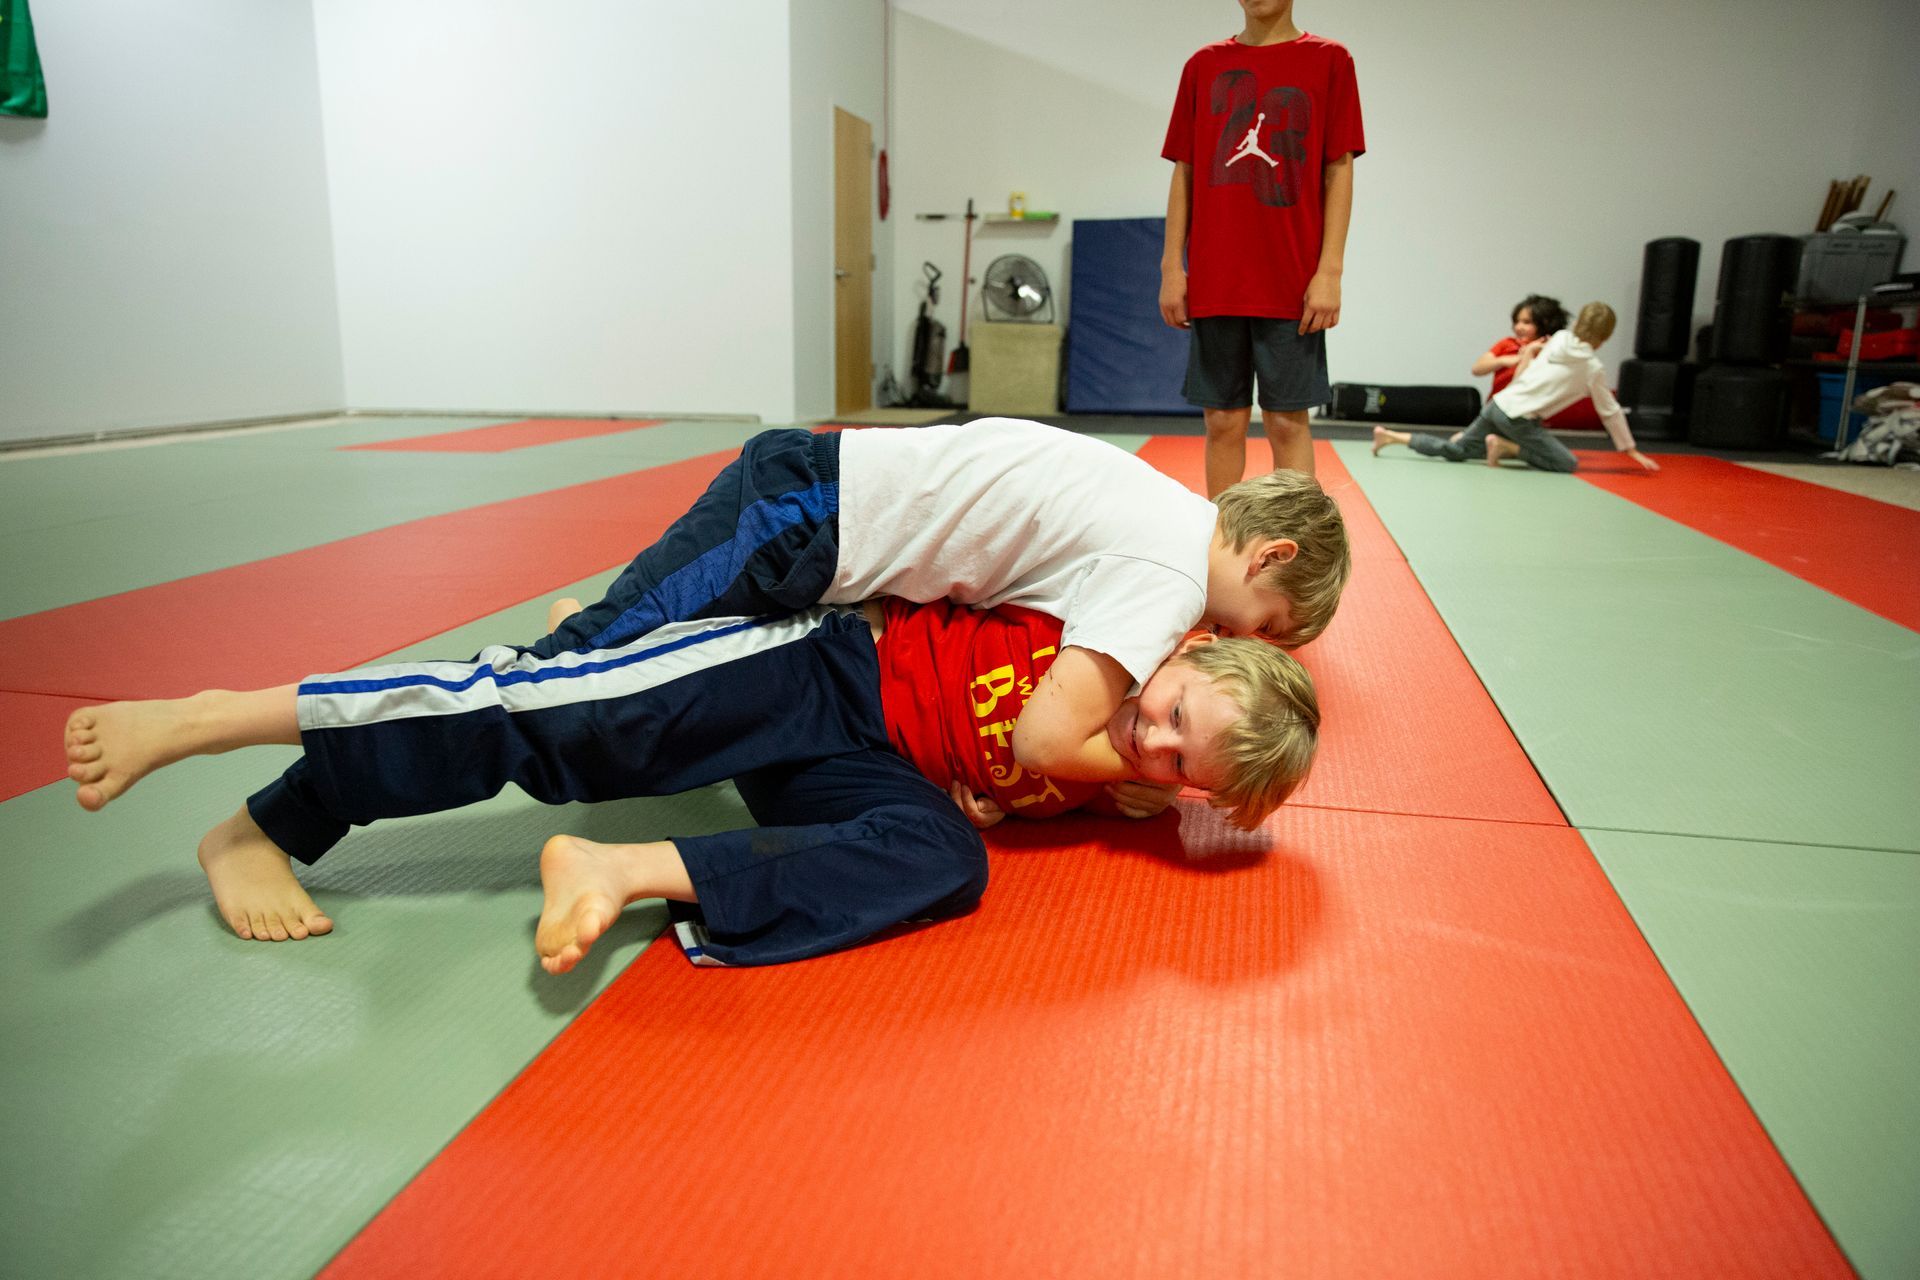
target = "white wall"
x: 1512, y: 148
x: 628, y: 206
x: 837, y: 61
x: 582, y: 207
x: 164, y: 250
x: 1887, y: 129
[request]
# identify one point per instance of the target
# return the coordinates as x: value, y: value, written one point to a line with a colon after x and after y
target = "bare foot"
x: 113, y: 746
x: 254, y: 885
x: 1382, y: 438
x: 587, y: 886
x: 1499, y: 448
x: 559, y: 611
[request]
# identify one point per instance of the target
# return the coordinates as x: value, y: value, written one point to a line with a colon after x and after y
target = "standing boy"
x: 1269, y: 121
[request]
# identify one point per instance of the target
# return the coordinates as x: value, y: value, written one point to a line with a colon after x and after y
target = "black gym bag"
x: 1422, y: 406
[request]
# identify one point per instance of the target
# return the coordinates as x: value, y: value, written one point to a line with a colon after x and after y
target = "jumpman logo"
x: 1250, y: 145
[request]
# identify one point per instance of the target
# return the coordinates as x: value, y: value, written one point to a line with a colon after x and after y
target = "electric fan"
x: 1016, y: 288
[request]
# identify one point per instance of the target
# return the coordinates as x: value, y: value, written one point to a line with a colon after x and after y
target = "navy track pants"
x: 763, y: 539
x: 853, y: 839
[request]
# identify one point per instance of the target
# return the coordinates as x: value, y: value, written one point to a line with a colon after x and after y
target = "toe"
x: 319, y: 924
x: 240, y: 927
x: 276, y: 927
x: 257, y: 927
x: 588, y: 927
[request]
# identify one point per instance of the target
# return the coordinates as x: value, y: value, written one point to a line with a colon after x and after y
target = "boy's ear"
x: 1274, y: 551
x: 1194, y: 640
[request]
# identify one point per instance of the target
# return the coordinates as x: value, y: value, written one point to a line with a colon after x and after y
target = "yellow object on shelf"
x: 1017, y: 205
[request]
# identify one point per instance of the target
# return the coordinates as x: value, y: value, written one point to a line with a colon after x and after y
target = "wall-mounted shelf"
x: 1029, y: 219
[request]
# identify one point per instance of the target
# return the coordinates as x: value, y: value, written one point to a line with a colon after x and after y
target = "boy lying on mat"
x: 868, y: 743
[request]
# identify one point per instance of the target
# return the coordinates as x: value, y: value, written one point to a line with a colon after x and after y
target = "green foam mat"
x: 82, y: 527
x: 1803, y: 967
x: 178, y: 1102
x: 1661, y: 680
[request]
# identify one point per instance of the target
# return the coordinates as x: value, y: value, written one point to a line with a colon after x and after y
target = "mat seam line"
x: 1738, y: 839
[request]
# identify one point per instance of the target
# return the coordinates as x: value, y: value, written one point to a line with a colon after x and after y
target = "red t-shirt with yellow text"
x: 953, y: 681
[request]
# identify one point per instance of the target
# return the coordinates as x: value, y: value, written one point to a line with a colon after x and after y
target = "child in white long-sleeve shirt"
x: 1510, y: 426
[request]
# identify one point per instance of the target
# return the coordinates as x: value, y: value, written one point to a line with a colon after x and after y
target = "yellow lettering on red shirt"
x: 997, y: 684
x: 1001, y: 732
x: 1051, y: 793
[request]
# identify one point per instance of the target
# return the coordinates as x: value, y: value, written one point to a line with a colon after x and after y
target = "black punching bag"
x: 1667, y: 273
x: 1750, y: 316
x: 1658, y: 396
x: 1738, y: 408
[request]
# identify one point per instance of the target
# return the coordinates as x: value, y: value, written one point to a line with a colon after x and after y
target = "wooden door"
x: 852, y: 263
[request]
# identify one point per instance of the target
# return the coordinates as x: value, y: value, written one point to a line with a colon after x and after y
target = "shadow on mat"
x: 437, y: 855
x: 1217, y: 905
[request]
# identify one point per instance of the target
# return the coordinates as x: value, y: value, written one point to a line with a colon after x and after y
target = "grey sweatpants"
x: 1537, y: 448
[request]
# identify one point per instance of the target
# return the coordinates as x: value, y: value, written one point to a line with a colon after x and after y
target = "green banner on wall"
x: 23, y: 91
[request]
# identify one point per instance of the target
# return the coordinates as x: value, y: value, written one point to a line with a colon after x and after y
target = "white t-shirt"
x: 1566, y: 370
x: 1005, y: 511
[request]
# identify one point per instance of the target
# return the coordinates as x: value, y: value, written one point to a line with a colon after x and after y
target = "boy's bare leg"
x: 1499, y: 449
x: 559, y: 611
x: 588, y: 885
x: 1290, y: 438
x: 1226, y: 448
x: 1383, y: 437
x: 254, y: 885
x: 112, y: 746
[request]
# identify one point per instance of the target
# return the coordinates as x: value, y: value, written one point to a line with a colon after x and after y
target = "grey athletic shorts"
x: 1225, y: 352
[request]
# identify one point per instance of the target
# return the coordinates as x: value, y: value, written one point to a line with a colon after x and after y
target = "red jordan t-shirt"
x: 1257, y: 123
x: 952, y: 682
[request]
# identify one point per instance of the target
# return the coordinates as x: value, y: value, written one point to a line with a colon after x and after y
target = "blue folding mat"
x: 1121, y: 356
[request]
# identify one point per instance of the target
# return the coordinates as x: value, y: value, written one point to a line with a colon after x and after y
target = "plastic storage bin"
x: 1839, y: 266
x: 1831, y: 385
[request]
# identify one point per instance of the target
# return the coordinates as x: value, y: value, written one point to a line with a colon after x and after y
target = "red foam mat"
x: 1391, y: 1046
x: 1184, y: 458
x: 1351, y: 1044
x: 343, y: 603
x: 1405, y: 725
x: 1860, y: 549
x: 508, y: 435
x: 31, y: 728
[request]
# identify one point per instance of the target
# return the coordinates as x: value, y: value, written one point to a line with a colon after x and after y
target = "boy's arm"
x: 1487, y: 363
x: 1614, y: 419
x: 1322, y: 303
x: 1131, y: 800
x: 1062, y: 731
x: 1528, y: 354
x: 1173, y: 268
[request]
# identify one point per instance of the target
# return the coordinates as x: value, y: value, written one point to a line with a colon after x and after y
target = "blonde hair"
x: 1269, y: 749
x: 1291, y: 504
x: 1595, y: 324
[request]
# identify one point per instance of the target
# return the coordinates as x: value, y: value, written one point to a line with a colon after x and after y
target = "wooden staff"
x: 1831, y: 209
